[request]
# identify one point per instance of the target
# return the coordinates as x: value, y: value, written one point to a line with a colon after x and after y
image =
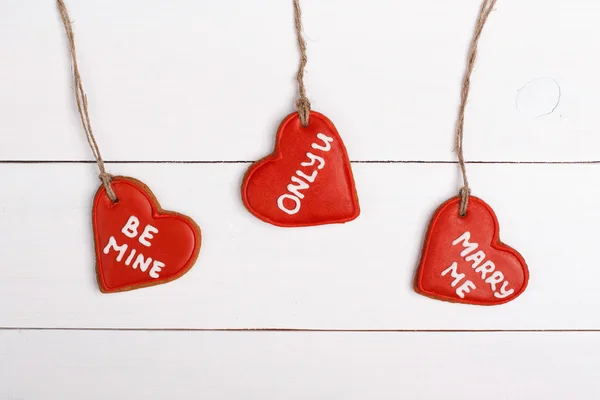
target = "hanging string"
x: 82, y: 104
x: 302, y: 103
x: 486, y: 8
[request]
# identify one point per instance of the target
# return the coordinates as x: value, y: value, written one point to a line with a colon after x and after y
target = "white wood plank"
x: 259, y: 365
x: 253, y: 275
x: 205, y: 80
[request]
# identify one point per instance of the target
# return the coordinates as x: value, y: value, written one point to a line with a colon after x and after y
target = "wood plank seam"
x: 501, y: 162
x: 303, y: 330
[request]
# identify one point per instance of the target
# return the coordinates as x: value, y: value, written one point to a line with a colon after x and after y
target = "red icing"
x: 176, y: 244
x: 330, y: 198
x: 439, y: 254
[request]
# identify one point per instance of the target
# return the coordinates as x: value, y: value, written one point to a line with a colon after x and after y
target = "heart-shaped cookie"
x: 464, y: 260
x: 139, y: 244
x: 306, y: 181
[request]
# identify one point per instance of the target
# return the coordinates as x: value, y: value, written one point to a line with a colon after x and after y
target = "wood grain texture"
x: 207, y: 83
x: 253, y: 275
x: 200, y: 81
x: 273, y: 366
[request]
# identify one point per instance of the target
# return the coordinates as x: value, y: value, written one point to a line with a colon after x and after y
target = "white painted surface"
x: 284, y: 365
x: 253, y: 275
x: 538, y: 98
x: 203, y: 80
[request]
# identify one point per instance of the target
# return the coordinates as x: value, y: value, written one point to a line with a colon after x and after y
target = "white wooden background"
x: 185, y: 94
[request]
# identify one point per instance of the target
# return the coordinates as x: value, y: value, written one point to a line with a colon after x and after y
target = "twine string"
x: 303, y: 104
x: 486, y: 8
x: 82, y: 104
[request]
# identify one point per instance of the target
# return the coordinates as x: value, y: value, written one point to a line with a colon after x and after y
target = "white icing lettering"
x: 495, y: 278
x: 469, y: 247
x: 313, y: 159
x: 503, y: 292
x: 130, y: 228
x: 147, y: 235
x: 477, y: 258
x: 486, y: 268
x: 458, y: 277
x: 465, y: 288
x: 326, y: 141
x: 294, y: 188
x: 112, y: 243
x: 141, y: 262
x: 135, y: 259
x: 299, y: 185
x: 309, y: 178
x: 130, y: 257
x: 156, y: 268
x: 453, y: 269
x: 282, y: 207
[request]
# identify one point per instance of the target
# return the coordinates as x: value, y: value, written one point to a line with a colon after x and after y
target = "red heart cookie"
x: 306, y: 181
x: 464, y: 261
x: 138, y: 244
